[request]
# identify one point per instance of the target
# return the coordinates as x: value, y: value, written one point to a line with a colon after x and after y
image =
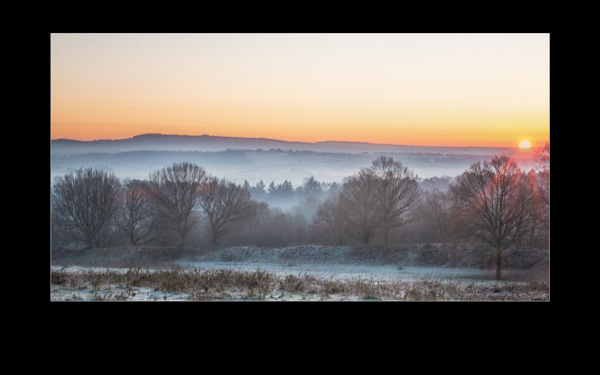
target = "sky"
x: 490, y: 90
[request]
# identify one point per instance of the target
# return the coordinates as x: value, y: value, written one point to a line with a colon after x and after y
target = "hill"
x: 208, y: 143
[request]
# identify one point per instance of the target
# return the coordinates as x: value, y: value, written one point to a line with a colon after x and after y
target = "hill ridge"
x: 176, y: 142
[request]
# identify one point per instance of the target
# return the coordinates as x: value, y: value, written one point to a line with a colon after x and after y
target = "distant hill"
x: 255, y: 159
x: 208, y: 143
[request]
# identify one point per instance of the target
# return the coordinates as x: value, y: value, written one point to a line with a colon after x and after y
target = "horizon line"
x: 270, y: 139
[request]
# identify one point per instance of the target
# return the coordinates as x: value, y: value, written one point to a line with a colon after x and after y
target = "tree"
x: 225, y: 203
x: 330, y: 220
x: 397, y: 192
x: 374, y: 200
x: 495, y: 201
x: 283, y: 191
x: 542, y: 156
x: 175, y: 194
x: 135, y: 217
x: 86, y: 201
x: 358, y: 200
x: 543, y: 185
x: 311, y: 187
x: 258, y: 191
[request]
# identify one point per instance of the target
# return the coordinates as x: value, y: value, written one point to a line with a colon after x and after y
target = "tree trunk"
x: 213, y: 243
x: 498, y: 264
x: 183, y: 238
x: 89, y: 238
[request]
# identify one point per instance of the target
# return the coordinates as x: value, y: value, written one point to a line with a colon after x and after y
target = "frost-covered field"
x: 240, y: 281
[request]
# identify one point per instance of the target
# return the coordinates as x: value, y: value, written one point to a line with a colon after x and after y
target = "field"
x: 290, y: 274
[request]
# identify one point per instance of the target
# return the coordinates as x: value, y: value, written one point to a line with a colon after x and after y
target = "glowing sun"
x: 524, y: 144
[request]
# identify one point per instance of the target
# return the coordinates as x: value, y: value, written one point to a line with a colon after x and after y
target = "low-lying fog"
x: 254, y: 166
x: 255, y: 160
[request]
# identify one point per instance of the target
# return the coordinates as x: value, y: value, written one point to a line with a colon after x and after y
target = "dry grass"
x: 228, y: 284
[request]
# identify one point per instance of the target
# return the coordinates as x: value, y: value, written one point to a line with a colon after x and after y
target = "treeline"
x: 494, y: 203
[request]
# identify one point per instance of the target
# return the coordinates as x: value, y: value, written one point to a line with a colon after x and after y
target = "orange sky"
x: 420, y: 89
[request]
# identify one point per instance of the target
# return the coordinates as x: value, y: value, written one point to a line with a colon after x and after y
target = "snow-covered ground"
x: 345, y: 271
x: 321, y: 272
x: 463, y: 278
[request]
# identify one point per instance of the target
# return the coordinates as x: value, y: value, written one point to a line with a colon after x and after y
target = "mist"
x: 264, y: 166
x: 288, y: 161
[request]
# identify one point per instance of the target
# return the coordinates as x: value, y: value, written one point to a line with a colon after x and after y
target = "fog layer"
x: 255, y: 160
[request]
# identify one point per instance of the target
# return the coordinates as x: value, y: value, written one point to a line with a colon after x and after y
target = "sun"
x: 524, y: 144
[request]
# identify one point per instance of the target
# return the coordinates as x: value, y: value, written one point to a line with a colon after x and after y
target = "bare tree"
x: 358, y: 200
x: 225, y: 203
x: 330, y: 220
x: 135, y: 217
x: 86, y: 201
x: 175, y: 193
x: 495, y: 201
x: 542, y: 156
x: 397, y: 192
x: 374, y: 200
x: 543, y: 185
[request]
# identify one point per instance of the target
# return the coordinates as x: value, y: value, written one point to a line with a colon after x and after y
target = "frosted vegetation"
x: 267, y: 283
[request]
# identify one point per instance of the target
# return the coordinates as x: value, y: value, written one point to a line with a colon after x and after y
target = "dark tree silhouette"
x: 176, y: 193
x: 374, y: 200
x: 135, y: 217
x: 496, y: 204
x: 358, y: 200
x: 86, y: 201
x: 397, y: 193
x: 330, y: 221
x: 225, y: 203
x: 543, y: 183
